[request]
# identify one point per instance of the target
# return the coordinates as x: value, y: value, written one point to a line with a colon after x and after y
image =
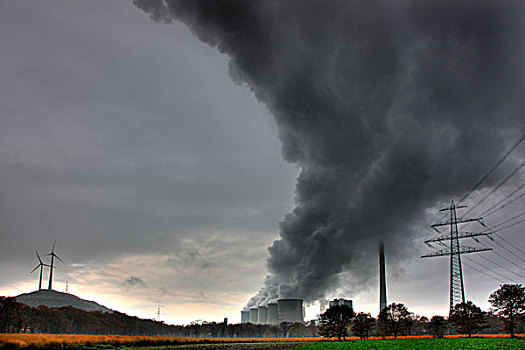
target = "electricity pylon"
x: 457, y: 288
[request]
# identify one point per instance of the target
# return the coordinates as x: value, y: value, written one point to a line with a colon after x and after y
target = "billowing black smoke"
x: 387, y: 107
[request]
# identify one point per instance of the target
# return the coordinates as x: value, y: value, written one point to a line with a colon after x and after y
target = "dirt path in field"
x: 237, y: 346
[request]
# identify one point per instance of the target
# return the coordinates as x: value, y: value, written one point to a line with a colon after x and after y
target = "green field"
x: 426, y: 343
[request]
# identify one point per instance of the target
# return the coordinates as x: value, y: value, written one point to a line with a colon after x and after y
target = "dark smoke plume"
x: 389, y: 108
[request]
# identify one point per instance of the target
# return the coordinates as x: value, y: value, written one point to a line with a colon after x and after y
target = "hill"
x: 52, y: 298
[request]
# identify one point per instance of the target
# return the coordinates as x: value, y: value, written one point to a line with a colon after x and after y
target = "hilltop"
x: 52, y: 298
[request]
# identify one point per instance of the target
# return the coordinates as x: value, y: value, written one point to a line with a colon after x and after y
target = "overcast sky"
x: 164, y: 181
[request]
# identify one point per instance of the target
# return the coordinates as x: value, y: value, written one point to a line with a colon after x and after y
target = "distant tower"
x: 382, y: 277
x: 66, y: 287
x: 158, y: 312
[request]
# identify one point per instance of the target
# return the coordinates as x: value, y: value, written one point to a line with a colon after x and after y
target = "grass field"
x: 71, y: 341
x: 477, y: 343
x: 102, y: 342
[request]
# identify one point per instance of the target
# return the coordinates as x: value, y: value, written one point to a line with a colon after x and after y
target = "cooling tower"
x: 245, y: 316
x: 262, y: 315
x: 273, y: 314
x: 290, y: 310
x: 253, y: 315
x: 382, y: 277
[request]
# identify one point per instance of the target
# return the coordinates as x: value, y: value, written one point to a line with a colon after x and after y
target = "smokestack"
x: 245, y: 316
x: 273, y: 314
x: 290, y: 310
x: 382, y: 276
x: 262, y: 315
x: 254, y: 313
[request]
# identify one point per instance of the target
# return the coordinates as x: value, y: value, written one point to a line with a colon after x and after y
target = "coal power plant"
x: 262, y: 316
x: 245, y: 316
x: 292, y: 310
x: 273, y: 314
x: 254, y: 313
x: 285, y: 310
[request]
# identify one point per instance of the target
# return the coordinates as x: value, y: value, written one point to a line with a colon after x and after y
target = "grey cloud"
x: 133, y: 281
x: 387, y: 108
x: 96, y: 149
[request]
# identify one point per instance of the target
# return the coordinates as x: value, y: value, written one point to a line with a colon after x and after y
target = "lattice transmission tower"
x: 457, y: 288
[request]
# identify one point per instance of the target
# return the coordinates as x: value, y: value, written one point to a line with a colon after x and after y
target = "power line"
x: 517, y: 248
x: 504, y: 258
x: 493, y: 168
x: 505, y: 156
x: 501, y: 266
x: 501, y: 207
x: 510, y: 244
x: 492, y: 209
x: 509, y: 226
x: 476, y: 269
x: 505, y: 249
x: 506, y: 221
x: 494, y: 233
x: 497, y: 187
x: 489, y: 269
x: 506, y: 204
x: 510, y: 253
x: 485, y: 273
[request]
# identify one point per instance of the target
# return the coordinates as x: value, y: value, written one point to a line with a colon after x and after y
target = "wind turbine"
x: 53, y: 255
x: 41, y: 265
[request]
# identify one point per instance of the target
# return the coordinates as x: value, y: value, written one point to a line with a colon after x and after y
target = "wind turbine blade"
x: 38, y: 256
x: 53, y: 249
x: 35, y: 268
x: 56, y: 256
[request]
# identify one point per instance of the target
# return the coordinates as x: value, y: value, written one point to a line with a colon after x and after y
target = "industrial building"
x: 254, y: 314
x: 245, y: 316
x: 285, y: 310
x: 340, y: 302
x: 292, y: 310
x: 273, y: 314
x: 262, y: 315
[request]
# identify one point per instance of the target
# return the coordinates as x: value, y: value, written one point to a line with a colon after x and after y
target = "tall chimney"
x: 382, y: 276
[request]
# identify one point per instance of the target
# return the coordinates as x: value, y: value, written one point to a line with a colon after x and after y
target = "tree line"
x: 338, y: 321
x: 465, y: 318
x: 16, y: 317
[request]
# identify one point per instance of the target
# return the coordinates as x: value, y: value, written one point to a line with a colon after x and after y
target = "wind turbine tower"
x: 53, y: 255
x: 41, y: 265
